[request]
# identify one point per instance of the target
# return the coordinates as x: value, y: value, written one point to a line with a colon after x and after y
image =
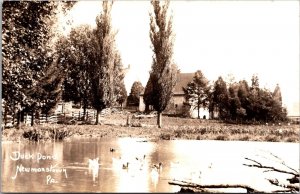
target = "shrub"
x: 165, y: 136
x: 245, y: 138
x: 222, y: 137
x: 271, y: 138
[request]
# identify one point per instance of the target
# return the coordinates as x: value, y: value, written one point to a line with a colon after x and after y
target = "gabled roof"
x: 182, y: 81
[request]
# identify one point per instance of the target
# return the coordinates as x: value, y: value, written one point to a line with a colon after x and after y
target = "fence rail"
x: 58, y: 117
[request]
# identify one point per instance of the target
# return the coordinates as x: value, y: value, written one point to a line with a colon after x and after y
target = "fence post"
x: 128, y: 120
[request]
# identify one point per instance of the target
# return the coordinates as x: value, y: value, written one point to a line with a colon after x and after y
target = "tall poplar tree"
x: 163, y: 75
x: 101, y: 71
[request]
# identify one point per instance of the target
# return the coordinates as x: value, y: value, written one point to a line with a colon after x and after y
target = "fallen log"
x: 290, y: 187
x: 200, y: 187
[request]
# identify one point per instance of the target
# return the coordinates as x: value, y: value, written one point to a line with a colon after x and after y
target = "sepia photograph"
x: 151, y: 96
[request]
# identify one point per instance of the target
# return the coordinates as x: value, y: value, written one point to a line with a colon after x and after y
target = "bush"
x: 48, y: 133
x: 222, y: 137
x: 271, y: 138
x: 245, y: 138
x: 165, y: 136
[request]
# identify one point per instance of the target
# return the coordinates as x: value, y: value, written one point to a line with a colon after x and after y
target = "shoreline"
x: 114, y: 126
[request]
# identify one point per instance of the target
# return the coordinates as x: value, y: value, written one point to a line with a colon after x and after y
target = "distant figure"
x: 112, y: 150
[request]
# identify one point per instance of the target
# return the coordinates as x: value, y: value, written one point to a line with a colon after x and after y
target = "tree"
x: 254, y: 98
x: 121, y: 93
x: 148, y: 95
x: 134, y: 96
x: 220, y: 97
x: 254, y: 103
x: 27, y: 52
x: 243, y: 95
x: 197, y: 92
x: 77, y: 86
x: 163, y: 74
x: 277, y: 94
x: 119, y: 75
x: 102, y: 52
x: 234, y: 102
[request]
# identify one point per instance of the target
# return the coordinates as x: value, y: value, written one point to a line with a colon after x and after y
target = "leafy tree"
x: 134, y: 96
x: 254, y: 103
x: 277, y: 94
x: 121, y: 93
x: 163, y: 75
x: 234, y: 102
x: 243, y: 95
x: 197, y: 91
x: 279, y: 112
x: 119, y: 74
x: 77, y: 86
x: 102, y: 52
x: 254, y: 98
x: 148, y: 95
x: 220, y: 97
x: 26, y: 51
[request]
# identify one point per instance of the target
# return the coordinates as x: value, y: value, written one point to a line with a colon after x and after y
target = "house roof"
x: 182, y: 81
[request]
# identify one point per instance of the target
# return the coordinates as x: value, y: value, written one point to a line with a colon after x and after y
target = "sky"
x: 219, y: 38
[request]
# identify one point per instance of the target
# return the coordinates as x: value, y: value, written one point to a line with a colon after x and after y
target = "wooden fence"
x: 53, y: 118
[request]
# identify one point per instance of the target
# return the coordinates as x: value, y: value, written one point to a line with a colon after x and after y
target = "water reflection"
x: 136, y: 165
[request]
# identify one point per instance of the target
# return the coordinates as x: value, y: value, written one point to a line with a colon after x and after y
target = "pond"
x: 71, y: 166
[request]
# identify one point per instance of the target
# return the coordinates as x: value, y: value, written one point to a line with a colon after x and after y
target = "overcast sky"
x: 241, y: 38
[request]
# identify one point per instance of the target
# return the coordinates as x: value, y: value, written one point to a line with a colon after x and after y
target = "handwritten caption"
x: 53, y: 168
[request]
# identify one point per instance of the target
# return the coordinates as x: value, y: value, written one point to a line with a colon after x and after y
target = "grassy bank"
x: 173, y: 128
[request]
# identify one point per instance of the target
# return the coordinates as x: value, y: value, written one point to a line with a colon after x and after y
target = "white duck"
x: 94, y: 163
x: 94, y: 167
x: 156, y: 169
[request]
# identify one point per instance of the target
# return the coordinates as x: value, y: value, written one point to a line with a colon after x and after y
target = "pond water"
x: 205, y: 162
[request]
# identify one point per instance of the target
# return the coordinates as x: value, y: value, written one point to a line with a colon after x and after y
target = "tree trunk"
x: 22, y: 116
x: 5, y: 114
x: 18, y: 118
x: 198, y: 111
x: 97, y: 117
x: 84, y: 113
x: 32, y: 118
x: 159, y: 119
x: 147, y: 108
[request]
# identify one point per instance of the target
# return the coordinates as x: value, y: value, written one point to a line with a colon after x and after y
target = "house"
x: 177, y: 104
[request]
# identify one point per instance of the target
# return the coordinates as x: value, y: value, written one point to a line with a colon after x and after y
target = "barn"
x: 178, y: 105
